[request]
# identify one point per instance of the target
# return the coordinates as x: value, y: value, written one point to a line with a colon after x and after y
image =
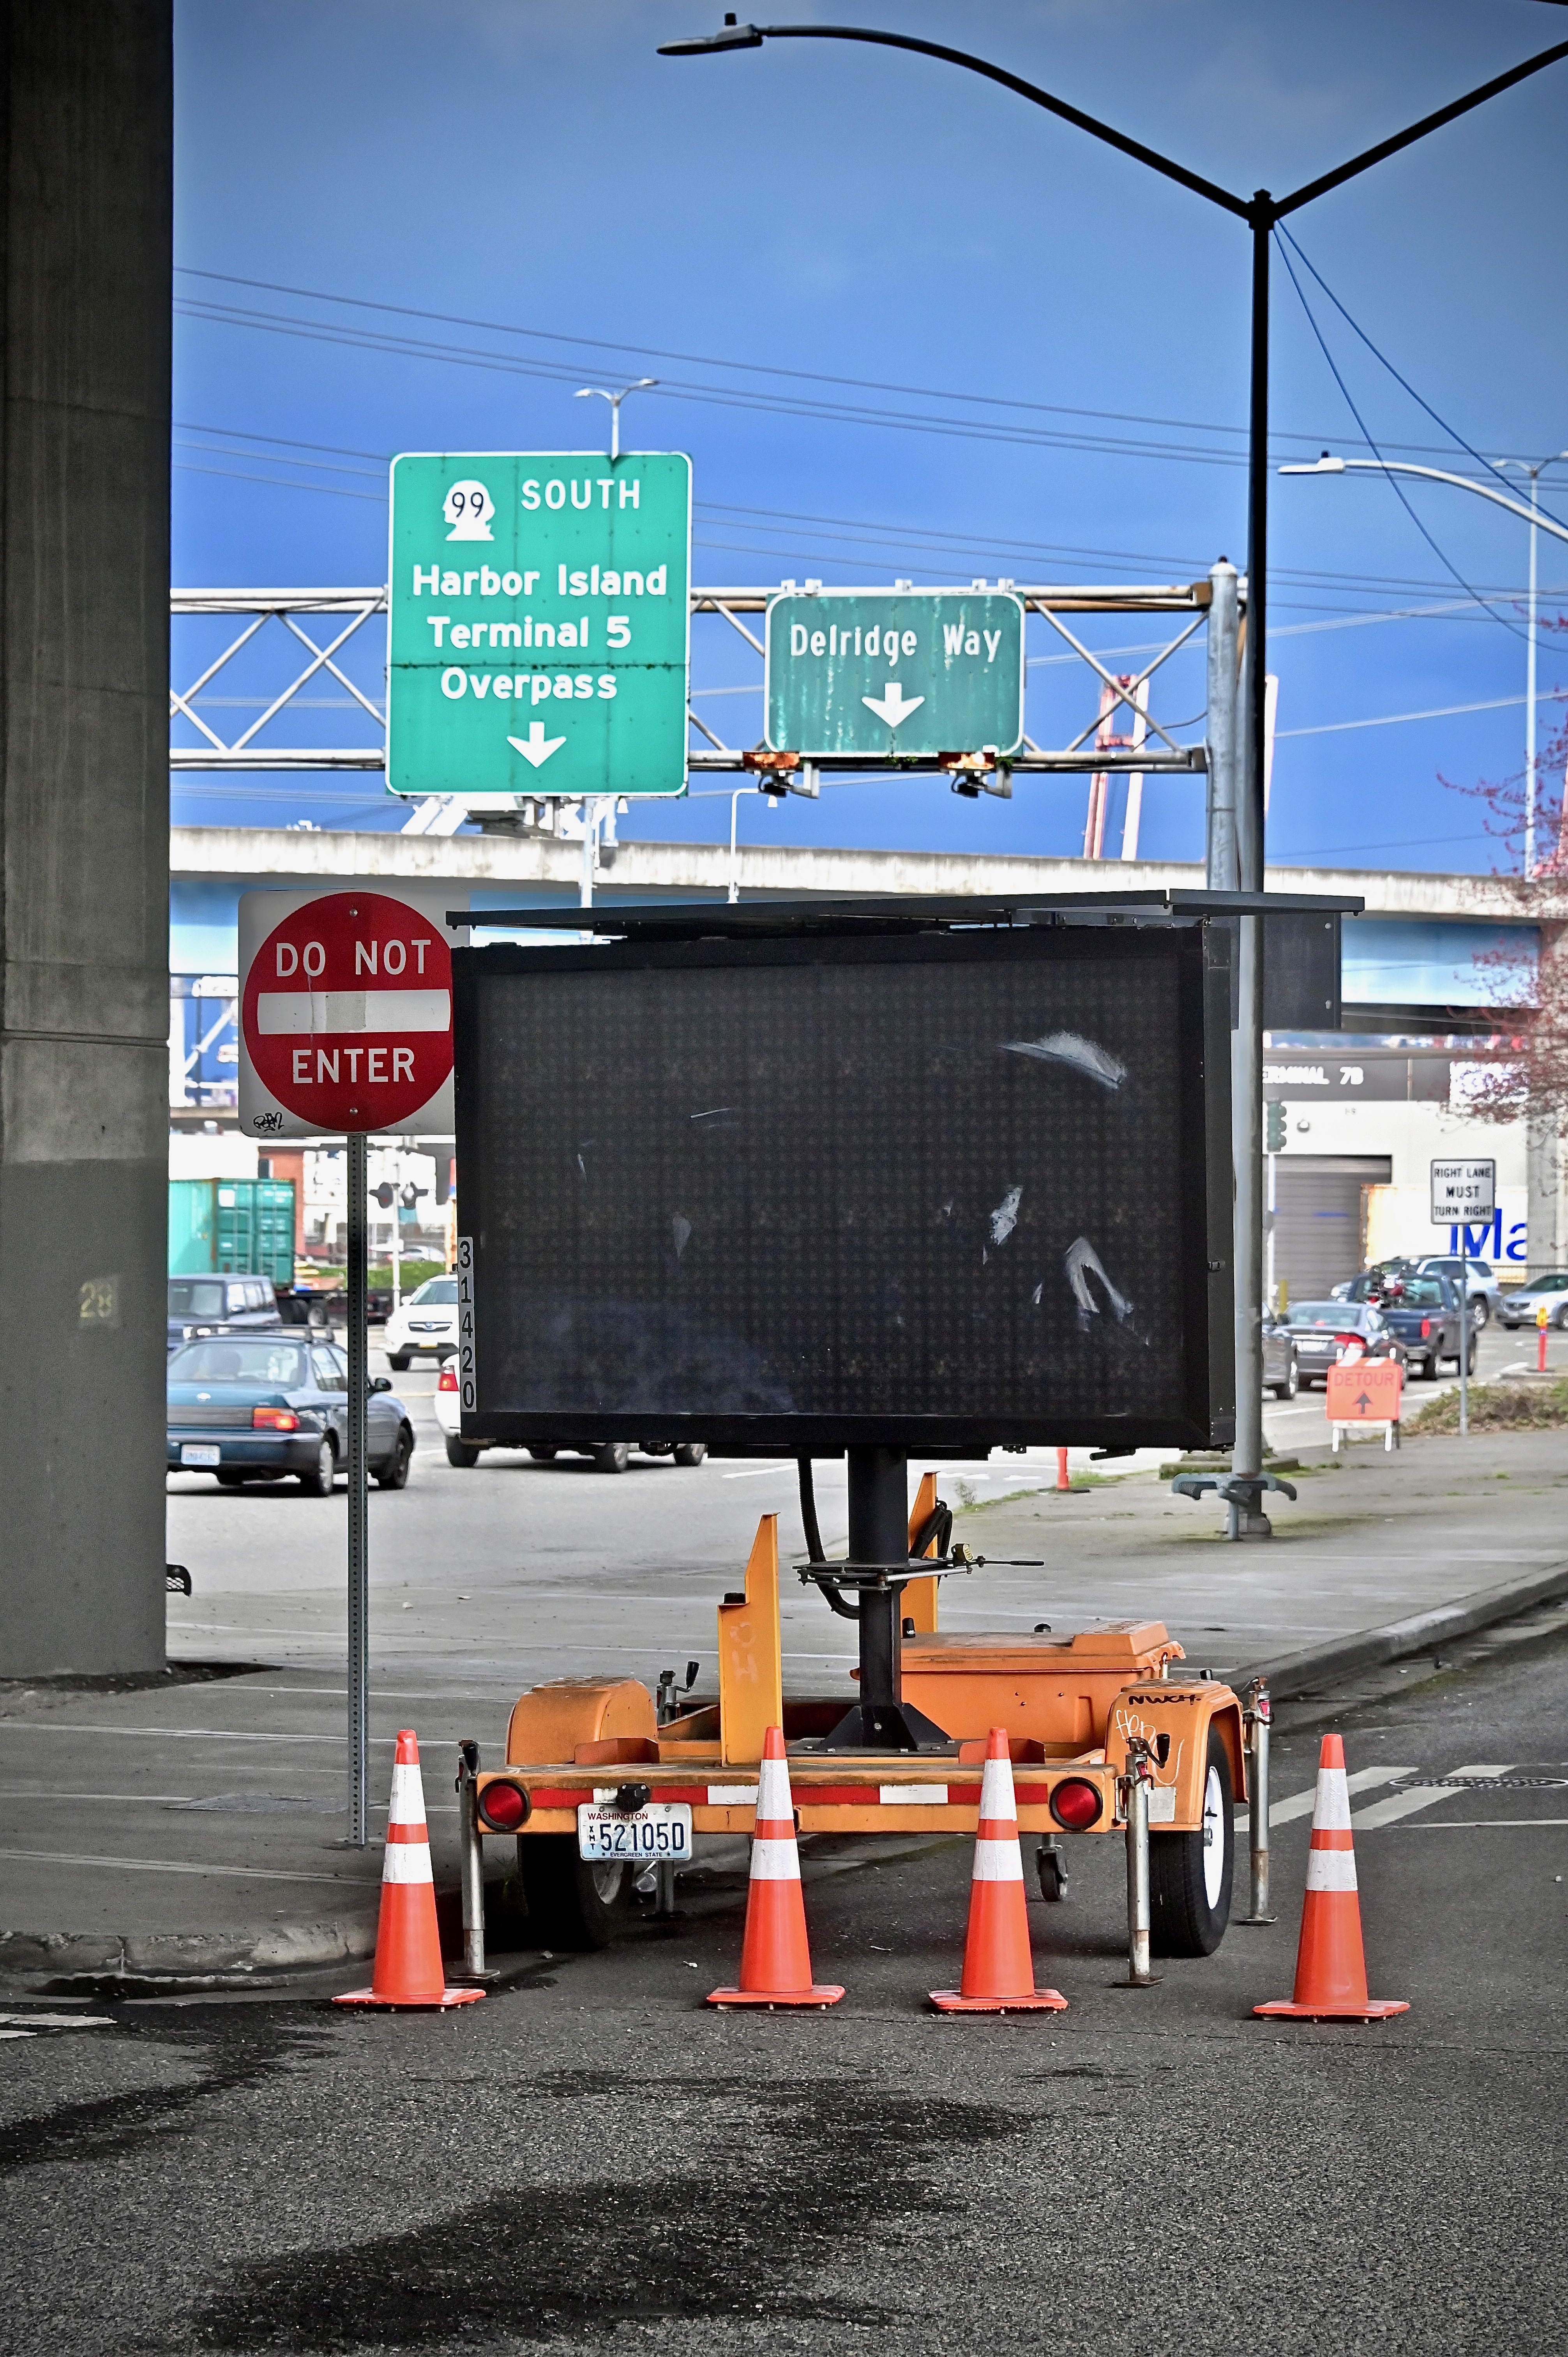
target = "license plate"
x: 200, y: 1452
x: 662, y: 1830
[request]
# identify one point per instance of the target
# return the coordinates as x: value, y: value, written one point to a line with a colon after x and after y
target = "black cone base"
x: 886, y: 1726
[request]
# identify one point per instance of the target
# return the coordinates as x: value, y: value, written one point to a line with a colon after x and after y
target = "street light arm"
x: 1385, y: 147
x: 1434, y: 475
x: 751, y: 37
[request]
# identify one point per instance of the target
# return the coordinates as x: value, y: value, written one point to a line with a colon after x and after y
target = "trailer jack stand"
x: 1243, y: 1496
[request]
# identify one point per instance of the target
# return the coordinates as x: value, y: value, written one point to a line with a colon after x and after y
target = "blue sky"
x: 1049, y: 346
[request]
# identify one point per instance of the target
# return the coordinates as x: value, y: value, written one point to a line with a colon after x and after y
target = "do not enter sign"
x: 346, y: 1014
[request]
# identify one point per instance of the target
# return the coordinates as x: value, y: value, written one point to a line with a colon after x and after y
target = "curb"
x: 1293, y: 1676
x: 159, y: 1956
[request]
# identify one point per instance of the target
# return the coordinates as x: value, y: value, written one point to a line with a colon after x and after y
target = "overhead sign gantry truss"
x: 293, y: 648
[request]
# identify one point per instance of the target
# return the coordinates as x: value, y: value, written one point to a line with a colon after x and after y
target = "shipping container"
x: 218, y: 1225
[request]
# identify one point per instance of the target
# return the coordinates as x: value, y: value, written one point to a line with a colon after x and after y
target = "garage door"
x: 1320, y: 1218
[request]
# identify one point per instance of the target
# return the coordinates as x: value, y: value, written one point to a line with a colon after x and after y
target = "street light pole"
x: 1330, y: 465
x: 601, y: 393
x: 1260, y: 214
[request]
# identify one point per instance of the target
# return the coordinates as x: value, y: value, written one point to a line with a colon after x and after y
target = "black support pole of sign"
x: 358, y: 1497
x: 880, y: 1535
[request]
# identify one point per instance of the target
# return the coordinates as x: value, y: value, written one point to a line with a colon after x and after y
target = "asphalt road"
x: 591, y: 2158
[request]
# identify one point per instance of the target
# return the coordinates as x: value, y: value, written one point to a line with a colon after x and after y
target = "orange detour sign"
x: 1365, y: 1391
x: 775, y: 1958
x: 1330, y: 1964
x: 408, y: 1945
x: 998, y: 1968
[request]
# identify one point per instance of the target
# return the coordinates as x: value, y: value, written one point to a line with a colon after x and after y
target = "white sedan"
x: 427, y: 1320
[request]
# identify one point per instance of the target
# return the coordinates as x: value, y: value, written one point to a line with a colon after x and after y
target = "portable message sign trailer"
x: 872, y: 1179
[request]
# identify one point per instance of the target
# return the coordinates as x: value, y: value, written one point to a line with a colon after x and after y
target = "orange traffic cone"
x: 998, y: 1968
x: 775, y: 1959
x: 1330, y: 1964
x: 408, y: 1945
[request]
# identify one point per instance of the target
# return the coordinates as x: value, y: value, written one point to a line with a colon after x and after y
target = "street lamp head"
x: 1326, y: 465
x: 734, y: 37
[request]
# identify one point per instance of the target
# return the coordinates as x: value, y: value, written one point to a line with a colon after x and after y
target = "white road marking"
x: 1299, y: 1804
x: 29, y: 2021
x: 1406, y: 1804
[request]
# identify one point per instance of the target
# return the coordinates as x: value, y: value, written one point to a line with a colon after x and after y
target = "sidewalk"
x: 198, y: 1825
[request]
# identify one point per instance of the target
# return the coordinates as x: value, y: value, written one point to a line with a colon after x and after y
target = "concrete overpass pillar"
x: 85, y: 184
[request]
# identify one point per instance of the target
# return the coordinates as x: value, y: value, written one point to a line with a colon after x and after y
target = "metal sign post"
x: 346, y: 1027
x: 1463, y: 1192
x: 358, y: 1495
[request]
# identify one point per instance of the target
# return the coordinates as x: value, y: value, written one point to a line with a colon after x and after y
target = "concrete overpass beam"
x: 86, y: 120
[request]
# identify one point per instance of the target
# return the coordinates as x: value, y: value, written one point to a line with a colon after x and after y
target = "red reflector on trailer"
x: 505, y: 1807
x: 273, y: 1419
x: 1077, y: 1804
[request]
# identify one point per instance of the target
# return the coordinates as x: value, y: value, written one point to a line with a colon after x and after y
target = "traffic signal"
x: 1274, y: 1128
x: 385, y: 1195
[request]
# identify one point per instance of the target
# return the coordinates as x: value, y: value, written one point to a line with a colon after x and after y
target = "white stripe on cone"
x: 775, y: 1861
x: 1331, y: 1803
x: 1331, y: 1869
x: 996, y: 1790
x: 407, y: 1795
x: 407, y: 1862
x: 998, y: 1861
x: 773, y: 1790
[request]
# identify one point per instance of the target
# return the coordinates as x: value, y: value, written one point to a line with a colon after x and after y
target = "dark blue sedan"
x: 257, y: 1408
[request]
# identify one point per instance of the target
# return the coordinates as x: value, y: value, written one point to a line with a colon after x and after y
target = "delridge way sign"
x: 346, y: 1014
x: 901, y: 674
x: 538, y: 628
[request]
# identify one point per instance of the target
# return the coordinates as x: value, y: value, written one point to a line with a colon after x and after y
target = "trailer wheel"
x: 690, y: 1452
x: 543, y: 1456
x: 1190, y: 1874
x: 1051, y: 1867
x: 571, y: 1902
x: 460, y: 1453
x: 612, y: 1457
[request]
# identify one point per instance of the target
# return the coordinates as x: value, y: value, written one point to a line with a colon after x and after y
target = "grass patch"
x: 1497, y: 1407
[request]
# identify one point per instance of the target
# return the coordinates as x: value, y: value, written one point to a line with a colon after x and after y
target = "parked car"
x: 1425, y: 1313
x: 256, y: 1409
x: 1282, y: 1366
x: 1325, y: 1332
x: 608, y: 1455
x: 1486, y: 1293
x: 427, y: 1320
x: 1519, y: 1308
x: 200, y: 1306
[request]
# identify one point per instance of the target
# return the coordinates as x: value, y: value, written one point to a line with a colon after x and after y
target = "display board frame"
x: 1186, y: 955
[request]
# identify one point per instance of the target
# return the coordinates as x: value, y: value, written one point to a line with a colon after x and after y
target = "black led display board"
x: 790, y: 1192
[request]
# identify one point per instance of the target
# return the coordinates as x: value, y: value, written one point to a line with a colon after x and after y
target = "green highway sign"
x: 907, y: 674
x: 537, y: 628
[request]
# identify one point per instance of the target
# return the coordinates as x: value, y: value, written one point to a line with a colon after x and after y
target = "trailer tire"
x: 460, y: 1453
x: 1190, y: 1894
x: 690, y: 1452
x: 612, y: 1457
x: 572, y: 1903
x: 543, y: 1456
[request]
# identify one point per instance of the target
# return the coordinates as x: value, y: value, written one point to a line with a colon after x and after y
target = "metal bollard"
x: 1258, y: 1718
x: 472, y: 1849
x: 1135, y: 1801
